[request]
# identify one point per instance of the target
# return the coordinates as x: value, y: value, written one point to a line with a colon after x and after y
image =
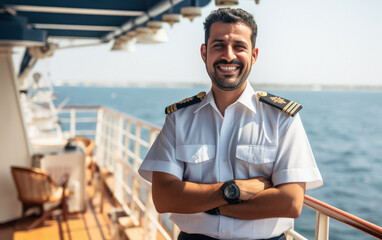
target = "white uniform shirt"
x: 253, y: 139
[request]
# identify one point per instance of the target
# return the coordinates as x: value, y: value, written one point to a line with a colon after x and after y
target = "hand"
x: 250, y: 187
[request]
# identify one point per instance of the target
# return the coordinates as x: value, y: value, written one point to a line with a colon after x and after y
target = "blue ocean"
x: 344, y: 129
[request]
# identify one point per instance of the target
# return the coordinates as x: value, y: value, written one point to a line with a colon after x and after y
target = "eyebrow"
x: 222, y: 41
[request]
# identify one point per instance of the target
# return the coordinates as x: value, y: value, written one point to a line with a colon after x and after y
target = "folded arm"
x: 260, y: 198
x: 285, y: 200
x: 170, y: 194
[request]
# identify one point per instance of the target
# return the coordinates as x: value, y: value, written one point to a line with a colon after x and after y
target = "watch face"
x: 230, y: 192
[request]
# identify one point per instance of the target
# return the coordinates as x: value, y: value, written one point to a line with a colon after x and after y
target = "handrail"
x: 344, y: 217
x: 73, y: 119
x: 132, y: 118
x: 96, y: 107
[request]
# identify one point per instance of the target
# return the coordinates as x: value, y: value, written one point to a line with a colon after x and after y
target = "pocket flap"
x: 195, y: 153
x: 256, y: 154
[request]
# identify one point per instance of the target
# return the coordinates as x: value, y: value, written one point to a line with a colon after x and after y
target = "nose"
x: 229, y: 54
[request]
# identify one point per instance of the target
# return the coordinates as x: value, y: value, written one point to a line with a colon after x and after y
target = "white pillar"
x: 14, y: 144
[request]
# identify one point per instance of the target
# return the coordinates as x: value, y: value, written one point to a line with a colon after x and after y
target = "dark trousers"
x: 187, y: 236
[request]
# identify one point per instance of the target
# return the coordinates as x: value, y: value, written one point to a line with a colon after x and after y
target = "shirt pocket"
x: 196, y: 161
x: 255, y: 160
x: 195, y: 153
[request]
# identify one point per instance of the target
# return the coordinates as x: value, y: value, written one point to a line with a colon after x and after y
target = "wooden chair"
x: 89, y: 145
x: 35, y: 187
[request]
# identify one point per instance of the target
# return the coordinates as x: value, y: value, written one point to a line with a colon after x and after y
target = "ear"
x: 255, y: 53
x: 203, y: 52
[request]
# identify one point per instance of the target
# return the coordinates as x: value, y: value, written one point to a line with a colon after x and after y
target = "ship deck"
x: 89, y: 225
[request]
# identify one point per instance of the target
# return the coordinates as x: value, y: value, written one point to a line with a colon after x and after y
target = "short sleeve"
x: 161, y: 156
x: 295, y: 161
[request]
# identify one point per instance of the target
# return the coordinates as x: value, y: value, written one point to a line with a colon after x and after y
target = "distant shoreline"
x: 264, y: 86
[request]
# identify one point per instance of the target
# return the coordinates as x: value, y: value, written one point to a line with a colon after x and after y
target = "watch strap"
x: 213, y: 211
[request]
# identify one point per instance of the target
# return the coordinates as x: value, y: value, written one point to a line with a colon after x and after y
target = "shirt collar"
x: 246, y: 98
x: 208, y: 99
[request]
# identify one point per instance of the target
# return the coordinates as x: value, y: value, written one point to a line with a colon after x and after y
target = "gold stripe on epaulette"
x: 185, y: 100
x: 294, y: 110
x: 170, y: 109
x: 287, y: 106
x: 291, y: 107
x: 201, y: 95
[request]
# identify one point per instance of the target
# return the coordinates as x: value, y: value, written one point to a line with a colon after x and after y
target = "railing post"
x: 153, y: 135
x: 119, y: 149
x: 150, y: 229
x: 127, y: 140
x: 135, y: 192
x: 119, y: 168
x: 72, y: 122
x: 118, y: 174
x: 125, y: 158
x: 175, y: 231
x: 322, y: 227
x: 98, y: 137
x: 108, y: 137
x: 137, y: 147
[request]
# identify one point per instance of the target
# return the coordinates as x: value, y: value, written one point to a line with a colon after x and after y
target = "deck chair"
x: 89, y: 145
x: 35, y: 187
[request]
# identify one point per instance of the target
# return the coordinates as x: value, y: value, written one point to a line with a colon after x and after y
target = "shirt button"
x: 254, y: 158
x: 195, y: 157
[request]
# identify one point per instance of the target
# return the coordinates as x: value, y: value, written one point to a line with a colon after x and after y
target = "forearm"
x: 282, y: 201
x: 173, y: 195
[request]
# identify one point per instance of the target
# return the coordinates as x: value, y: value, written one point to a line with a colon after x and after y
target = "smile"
x: 227, y: 68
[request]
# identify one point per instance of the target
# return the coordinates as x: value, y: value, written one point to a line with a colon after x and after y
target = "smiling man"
x: 235, y: 163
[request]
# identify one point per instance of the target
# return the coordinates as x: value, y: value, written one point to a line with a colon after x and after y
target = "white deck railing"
x: 122, y: 141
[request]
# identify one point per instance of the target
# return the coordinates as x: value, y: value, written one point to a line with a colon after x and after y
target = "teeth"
x: 228, y: 68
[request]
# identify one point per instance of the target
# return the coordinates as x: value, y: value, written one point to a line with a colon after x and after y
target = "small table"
x: 57, y: 161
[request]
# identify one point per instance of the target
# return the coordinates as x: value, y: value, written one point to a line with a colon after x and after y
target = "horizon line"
x: 280, y: 86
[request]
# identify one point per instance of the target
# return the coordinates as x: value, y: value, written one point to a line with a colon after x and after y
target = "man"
x: 231, y: 165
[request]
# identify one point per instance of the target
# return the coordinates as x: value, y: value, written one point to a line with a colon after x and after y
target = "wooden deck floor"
x: 90, y: 225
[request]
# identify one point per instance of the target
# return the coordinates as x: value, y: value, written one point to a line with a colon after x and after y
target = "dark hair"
x: 230, y: 15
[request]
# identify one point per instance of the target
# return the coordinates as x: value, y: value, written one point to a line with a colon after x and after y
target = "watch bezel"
x: 226, y: 186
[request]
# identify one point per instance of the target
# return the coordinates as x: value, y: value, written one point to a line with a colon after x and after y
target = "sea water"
x: 344, y: 129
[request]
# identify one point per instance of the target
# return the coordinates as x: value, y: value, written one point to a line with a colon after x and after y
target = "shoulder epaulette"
x: 185, y: 103
x: 285, y: 105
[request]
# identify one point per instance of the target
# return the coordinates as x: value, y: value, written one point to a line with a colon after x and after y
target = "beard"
x: 224, y: 83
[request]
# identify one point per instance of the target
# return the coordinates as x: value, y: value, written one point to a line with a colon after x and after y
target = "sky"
x: 332, y: 42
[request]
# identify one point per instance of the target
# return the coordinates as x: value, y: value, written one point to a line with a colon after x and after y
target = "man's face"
x: 229, y: 55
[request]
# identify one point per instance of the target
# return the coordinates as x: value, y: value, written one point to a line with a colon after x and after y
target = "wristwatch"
x: 231, y: 192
